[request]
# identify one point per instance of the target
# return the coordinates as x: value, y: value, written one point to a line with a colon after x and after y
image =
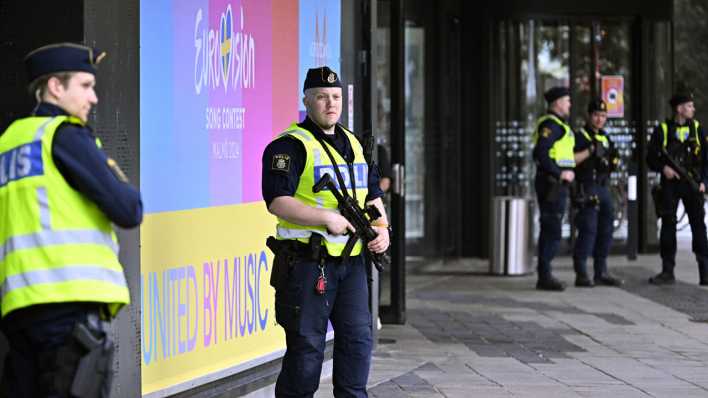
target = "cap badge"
x: 331, y: 78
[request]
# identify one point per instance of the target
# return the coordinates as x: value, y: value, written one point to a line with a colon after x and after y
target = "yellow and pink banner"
x: 206, y: 302
x: 218, y: 80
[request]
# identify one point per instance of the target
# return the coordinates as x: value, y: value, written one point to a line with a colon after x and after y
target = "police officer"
x: 59, y: 271
x: 314, y: 283
x: 684, y: 141
x: 595, y: 158
x: 553, y: 153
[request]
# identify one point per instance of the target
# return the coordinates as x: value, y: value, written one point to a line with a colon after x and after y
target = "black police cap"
x: 62, y: 57
x: 597, y: 105
x: 556, y: 92
x: 321, y: 77
x: 680, y: 98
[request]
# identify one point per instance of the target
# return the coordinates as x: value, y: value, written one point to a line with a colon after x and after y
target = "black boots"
x: 608, y: 280
x: 550, y: 283
x: 582, y: 280
x: 663, y: 278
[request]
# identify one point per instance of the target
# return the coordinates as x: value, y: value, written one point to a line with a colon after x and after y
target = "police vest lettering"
x: 58, y: 246
x: 361, y: 174
x: 21, y: 162
x: 318, y: 164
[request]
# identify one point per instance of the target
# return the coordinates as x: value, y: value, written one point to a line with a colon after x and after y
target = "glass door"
x: 388, y: 48
x: 400, y: 69
x: 595, y: 59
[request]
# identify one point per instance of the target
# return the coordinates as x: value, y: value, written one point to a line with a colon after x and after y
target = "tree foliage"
x: 691, y: 52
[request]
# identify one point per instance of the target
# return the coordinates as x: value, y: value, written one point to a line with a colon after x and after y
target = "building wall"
x: 113, y: 26
x: 59, y: 21
x: 691, y: 52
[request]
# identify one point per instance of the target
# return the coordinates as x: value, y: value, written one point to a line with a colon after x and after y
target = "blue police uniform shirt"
x: 85, y: 169
x: 276, y: 183
x: 541, y: 152
x: 584, y: 171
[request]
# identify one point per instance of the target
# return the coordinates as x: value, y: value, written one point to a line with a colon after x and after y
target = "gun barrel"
x: 683, y: 174
x: 357, y: 216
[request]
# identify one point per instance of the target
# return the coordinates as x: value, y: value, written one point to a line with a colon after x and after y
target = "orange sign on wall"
x: 613, y: 95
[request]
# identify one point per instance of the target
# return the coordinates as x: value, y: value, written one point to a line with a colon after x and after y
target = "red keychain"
x: 321, y: 283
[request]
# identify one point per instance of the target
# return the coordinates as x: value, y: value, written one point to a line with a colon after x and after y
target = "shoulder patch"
x: 281, y: 162
x: 546, y: 132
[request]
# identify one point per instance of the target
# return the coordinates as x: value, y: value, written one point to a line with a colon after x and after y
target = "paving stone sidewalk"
x: 472, y: 335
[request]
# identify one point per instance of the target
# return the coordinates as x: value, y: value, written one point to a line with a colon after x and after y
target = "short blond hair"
x: 38, y: 87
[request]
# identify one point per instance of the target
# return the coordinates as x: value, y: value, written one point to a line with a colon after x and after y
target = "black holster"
x: 288, y: 251
x: 656, y: 192
x: 553, y: 189
x: 94, y: 374
x: 284, y: 252
x: 580, y: 199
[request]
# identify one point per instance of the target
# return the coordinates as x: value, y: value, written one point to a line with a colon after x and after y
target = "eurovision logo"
x: 223, y: 56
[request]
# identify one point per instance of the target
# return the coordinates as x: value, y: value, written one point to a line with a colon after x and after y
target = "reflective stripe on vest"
x: 93, y: 273
x: 316, y: 165
x: 289, y: 233
x: 562, y: 150
x: 52, y: 238
x: 682, y: 133
x: 58, y: 246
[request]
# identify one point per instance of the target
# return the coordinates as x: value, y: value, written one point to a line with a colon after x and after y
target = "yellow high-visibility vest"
x: 599, y: 137
x: 56, y: 245
x: 316, y: 165
x: 562, y: 150
x: 682, y: 133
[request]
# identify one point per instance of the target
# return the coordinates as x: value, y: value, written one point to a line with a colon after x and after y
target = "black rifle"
x: 606, y: 160
x: 368, y: 142
x: 358, y: 217
x: 683, y: 173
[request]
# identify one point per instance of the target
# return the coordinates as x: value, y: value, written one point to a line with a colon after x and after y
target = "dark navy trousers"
x: 673, y: 191
x: 551, y: 218
x: 304, y: 315
x: 595, y: 227
x: 43, y: 356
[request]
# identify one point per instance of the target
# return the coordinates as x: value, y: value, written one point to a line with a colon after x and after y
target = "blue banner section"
x: 21, y: 162
x: 173, y: 158
x: 320, y: 36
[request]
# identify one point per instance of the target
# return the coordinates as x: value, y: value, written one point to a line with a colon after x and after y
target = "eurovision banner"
x: 218, y: 80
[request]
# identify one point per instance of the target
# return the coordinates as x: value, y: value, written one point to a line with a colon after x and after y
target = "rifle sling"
x: 340, y: 179
x: 345, y: 192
